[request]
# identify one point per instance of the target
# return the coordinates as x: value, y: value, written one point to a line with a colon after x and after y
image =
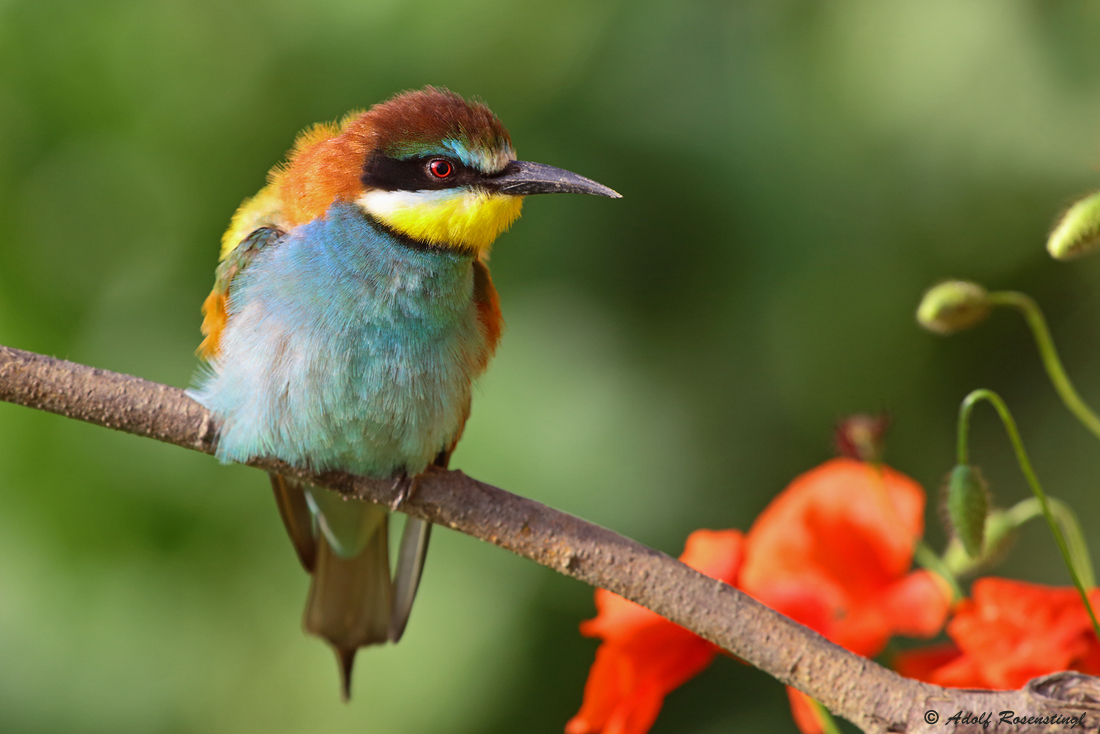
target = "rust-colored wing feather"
x: 488, y: 311
x: 214, y: 308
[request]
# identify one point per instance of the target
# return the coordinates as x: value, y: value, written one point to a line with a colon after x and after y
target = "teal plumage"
x: 346, y: 348
x: 351, y: 313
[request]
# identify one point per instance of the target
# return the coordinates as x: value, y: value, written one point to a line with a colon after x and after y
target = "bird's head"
x: 427, y: 164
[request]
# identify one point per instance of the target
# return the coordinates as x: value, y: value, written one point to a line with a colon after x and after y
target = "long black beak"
x: 522, y: 178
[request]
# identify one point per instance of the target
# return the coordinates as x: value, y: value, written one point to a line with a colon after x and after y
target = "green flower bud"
x: 1078, y: 231
x: 1000, y: 532
x: 967, y: 507
x: 953, y: 305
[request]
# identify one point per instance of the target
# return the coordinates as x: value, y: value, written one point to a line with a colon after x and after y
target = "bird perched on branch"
x: 350, y: 314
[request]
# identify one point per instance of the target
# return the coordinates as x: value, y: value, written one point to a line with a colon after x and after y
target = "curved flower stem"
x: 956, y: 561
x: 927, y: 558
x: 965, y: 409
x: 1053, y: 364
x: 1024, y: 510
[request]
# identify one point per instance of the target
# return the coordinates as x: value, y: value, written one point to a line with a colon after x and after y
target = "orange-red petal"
x: 715, y: 553
x: 806, y: 715
x: 1009, y: 632
x: 630, y: 679
x: 833, y: 552
x: 643, y: 656
x: 923, y: 663
x: 843, y: 520
x: 918, y: 604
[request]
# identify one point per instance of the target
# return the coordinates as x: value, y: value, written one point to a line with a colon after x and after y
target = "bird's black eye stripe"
x: 414, y: 174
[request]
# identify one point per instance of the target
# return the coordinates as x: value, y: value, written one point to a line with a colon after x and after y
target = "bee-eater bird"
x: 351, y: 311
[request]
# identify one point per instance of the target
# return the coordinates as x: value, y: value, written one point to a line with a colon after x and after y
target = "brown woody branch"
x: 872, y: 697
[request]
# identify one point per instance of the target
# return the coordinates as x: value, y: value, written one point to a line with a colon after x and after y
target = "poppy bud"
x: 953, y: 305
x: 1078, y: 231
x: 1000, y: 533
x: 862, y: 436
x: 967, y: 507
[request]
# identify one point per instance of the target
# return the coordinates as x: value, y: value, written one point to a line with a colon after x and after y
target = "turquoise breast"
x: 346, y: 348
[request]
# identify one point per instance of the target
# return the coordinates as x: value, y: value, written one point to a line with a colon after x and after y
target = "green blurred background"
x: 794, y: 173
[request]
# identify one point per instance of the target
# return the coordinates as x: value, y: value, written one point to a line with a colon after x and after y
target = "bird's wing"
x: 290, y: 497
x: 488, y: 314
x: 414, y: 541
x: 256, y: 225
x: 411, y: 555
x: 214, y: 313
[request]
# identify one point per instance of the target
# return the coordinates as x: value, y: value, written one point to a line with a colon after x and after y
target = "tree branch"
x: 870, y: 696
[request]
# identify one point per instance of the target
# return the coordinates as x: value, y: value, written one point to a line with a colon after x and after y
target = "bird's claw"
x: 403, y: 488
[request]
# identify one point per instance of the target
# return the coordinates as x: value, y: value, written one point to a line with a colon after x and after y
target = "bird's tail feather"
x: 406, y: 579
x: 345, y: 546
x: 293, y: 508
x: 350, y: 598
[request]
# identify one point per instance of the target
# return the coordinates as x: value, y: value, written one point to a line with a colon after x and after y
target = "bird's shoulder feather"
x: 234, y: 260
x: 488, y: 310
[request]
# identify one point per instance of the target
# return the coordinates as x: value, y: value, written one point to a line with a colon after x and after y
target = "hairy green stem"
x: 958, y: 562
x: 995, y: 400
x: 927, y: 558
x: 1053, y: 364
x: 1025, y: 510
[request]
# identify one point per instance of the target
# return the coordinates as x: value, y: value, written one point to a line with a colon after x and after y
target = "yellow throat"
x: 463, y: 218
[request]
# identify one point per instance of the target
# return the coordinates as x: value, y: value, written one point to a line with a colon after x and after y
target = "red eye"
x: 441, y: 168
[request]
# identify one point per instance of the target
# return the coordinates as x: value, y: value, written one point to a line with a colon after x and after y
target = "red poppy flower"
x: 643, y: 656
x: 1007, y: 633
x: 834, y: 551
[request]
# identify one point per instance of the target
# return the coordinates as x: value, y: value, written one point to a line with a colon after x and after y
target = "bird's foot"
x: 403, y: 488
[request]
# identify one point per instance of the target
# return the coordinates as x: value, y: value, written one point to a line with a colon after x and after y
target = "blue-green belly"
x: 346, y: 349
